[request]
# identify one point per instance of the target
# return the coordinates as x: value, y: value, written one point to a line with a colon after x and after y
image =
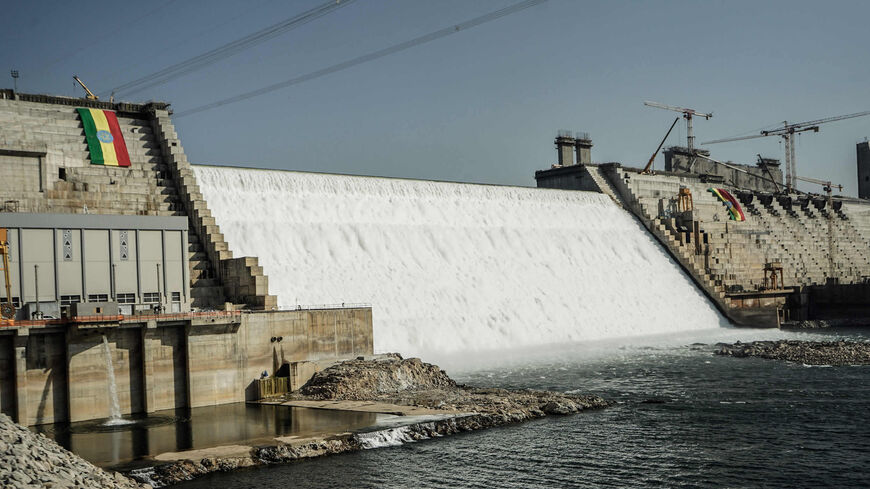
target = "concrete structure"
x: 139, y: 261
x: 57, y: 372
x: 110, y: 243
x: 819, y: 251
x: 681, y: 160
x: 863, y: 150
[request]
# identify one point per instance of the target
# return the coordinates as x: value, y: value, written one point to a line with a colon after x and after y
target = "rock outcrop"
x: 806, y: 352
x: 28, y: 460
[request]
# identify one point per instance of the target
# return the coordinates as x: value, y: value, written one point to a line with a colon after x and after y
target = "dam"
x: 452, y: 267
x: 149, y: 283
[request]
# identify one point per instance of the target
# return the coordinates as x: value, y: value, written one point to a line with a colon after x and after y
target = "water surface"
x: 684, y: 418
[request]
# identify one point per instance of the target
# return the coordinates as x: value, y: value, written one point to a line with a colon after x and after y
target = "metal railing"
x: 314, y: 307
x: 118, y: 318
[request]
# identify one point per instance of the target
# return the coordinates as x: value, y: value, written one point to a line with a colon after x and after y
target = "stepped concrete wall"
x: 45, y: 168
x: 822, y: 247
x: 55, y: 370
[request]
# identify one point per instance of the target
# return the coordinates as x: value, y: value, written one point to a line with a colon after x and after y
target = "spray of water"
x: 114, y: 406
x: 456, y: 267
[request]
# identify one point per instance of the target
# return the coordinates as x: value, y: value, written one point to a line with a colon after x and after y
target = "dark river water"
x: 684, y: 418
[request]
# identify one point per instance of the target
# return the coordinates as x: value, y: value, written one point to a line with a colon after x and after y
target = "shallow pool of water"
x: 184, y: 429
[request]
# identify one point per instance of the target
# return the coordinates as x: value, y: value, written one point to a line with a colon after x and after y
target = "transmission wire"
x: 432, y: 36
x: 200, y: 61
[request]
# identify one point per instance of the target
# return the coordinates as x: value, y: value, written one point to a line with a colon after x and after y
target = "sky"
x: 481, y: 105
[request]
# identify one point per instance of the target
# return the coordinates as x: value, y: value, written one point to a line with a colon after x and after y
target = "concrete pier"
x: 57, y: 372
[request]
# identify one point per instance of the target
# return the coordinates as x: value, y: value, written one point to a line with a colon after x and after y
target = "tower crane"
x: 787, y: 132
x: 688, y: 114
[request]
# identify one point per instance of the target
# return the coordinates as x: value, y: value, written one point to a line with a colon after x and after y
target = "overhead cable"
x: 200, y: 61
x: 432, y: 36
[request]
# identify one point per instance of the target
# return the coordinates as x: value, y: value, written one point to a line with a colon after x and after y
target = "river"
x: 684, y: 418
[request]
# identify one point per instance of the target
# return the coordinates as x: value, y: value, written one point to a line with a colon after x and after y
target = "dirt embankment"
x: 806, y: 352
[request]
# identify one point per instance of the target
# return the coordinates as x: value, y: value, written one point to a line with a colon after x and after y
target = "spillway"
x: 454, y: 267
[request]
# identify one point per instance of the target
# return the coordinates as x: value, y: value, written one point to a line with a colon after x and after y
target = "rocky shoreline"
x: 805, y: 352
x: 390, y: 381
x: 28, y: 460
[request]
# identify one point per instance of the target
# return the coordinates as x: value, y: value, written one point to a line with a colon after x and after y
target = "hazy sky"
x: 482, y: 105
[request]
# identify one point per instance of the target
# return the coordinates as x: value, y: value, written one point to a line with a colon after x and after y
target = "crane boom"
x: 678, y: 109
x: 787, y: 132
x: 90, y: 95
x: 688, y: 114
x: 653, y: 157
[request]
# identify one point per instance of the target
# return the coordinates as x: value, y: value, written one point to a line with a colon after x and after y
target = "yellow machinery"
x: 7, y: 310
x: 90, y: 95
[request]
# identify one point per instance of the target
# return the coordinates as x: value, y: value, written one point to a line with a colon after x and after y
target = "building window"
x: 98, y: 298
x: 16, y: 302
x: 176, y: 297
x: 68, y: 300
x: 151, y: 297
x: 126, y: 298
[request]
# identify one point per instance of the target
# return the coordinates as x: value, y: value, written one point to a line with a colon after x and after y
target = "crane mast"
x: 688, y: 114
x: 787, y: 133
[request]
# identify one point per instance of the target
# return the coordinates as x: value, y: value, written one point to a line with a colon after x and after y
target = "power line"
x: 193, y: 35
x: 197, y: 62
x: 124, y: 26
x: 432, y: 36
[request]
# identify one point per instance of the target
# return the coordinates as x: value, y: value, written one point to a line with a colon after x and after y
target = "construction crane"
x: 7, y: 310
x: 787, y: 132
x: 688, y: 114
x: 653, y: 157
x: 90, y: 95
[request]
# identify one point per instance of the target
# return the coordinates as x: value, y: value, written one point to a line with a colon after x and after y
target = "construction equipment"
x: 688, y: 114
x: 653, y: 157
x: 741, y: 170
x: 787, y: 132
x: 90, y: 95
x: 7, y: 310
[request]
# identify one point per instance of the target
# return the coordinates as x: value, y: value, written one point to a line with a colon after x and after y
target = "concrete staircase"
x: 214, y: 271
x: 159, y: 182
x: 70, y: 183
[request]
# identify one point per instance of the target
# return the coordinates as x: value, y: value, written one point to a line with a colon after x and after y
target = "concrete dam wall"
x: 124, y: 271
x: 456, y: 267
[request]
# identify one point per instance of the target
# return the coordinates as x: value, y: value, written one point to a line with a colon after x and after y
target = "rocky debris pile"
x: 411, y: 382
x: 28, y: 460
x: 361, y: 379
x: 806, y: 352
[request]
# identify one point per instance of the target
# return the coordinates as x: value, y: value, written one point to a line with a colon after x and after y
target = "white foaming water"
x: 456, y: 267
x: 115, y: 418
x: 392, y: 437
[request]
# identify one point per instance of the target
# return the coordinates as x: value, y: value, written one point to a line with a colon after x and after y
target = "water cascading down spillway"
x: 453, y: 267
x: 114, y: 406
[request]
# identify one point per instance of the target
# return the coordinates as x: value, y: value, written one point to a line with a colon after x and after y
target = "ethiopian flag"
x: 105, y: 141
x: 730, y: 202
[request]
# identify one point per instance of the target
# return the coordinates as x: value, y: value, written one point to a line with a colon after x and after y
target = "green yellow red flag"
x: 105, y: 141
